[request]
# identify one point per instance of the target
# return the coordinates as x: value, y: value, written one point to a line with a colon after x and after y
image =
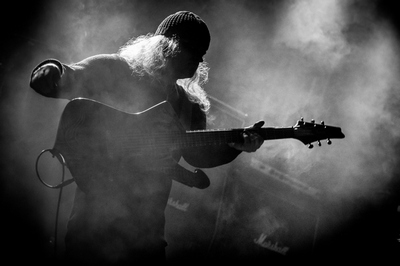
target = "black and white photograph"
x: 200, y: 132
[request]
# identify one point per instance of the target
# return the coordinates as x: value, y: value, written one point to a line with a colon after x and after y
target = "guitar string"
x: 191, y: 138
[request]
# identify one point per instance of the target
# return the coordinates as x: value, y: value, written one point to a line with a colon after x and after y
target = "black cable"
x: 59, y: 186
x: 62, y: 160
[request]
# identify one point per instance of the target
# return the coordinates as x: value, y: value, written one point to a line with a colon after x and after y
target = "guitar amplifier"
x: 192, y: 216
x: 264, y: 220
x: 239, y: 219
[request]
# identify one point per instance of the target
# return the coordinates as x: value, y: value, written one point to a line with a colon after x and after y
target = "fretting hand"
x: 251, y: 140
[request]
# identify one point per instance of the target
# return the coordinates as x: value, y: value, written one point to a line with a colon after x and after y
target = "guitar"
x: 100, y: 143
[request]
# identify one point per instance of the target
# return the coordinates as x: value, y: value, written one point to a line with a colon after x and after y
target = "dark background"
x: 336, y: 61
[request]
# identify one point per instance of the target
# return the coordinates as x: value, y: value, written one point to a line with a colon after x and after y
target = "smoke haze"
x: 276, y: 61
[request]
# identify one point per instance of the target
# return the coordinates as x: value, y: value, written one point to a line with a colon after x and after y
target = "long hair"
x: 146, y: 56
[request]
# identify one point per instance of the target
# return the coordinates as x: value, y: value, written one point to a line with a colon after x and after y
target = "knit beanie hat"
x: 187, y: 26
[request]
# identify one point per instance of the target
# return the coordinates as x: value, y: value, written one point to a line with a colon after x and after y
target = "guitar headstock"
x: 309, y: 132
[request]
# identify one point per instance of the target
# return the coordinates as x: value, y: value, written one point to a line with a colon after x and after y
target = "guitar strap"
x: 183, y: 108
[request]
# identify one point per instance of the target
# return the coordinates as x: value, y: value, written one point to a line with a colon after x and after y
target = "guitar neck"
x: 220, y: 137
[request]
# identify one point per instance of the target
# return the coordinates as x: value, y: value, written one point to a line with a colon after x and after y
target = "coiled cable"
x: 60, y: 186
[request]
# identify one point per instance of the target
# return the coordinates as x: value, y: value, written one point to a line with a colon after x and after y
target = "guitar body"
x: 102, y: 145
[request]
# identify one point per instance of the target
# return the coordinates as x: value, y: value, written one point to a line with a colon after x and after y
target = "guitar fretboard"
x: 220, y: 137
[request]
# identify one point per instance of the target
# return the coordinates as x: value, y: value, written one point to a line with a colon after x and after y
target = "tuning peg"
x: 323, y: 122
x: 329, y: 142
x: 319, y: 143
x: 310, y: 146
x: 313, y: 122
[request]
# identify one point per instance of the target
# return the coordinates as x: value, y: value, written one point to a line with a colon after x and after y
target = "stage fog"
x: 333, y: 61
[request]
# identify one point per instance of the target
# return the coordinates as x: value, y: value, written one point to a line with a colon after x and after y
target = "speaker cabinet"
x: 192, y: 216
x: 258, y: 223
